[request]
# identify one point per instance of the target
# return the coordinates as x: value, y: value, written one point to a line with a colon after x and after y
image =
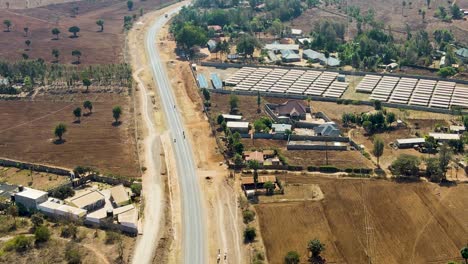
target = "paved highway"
x: 193, y: 233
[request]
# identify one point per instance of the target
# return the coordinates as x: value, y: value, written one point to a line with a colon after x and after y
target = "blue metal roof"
x: 202, y: 81
x: 217, y: 83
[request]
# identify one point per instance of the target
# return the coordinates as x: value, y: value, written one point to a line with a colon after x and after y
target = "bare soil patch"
x: 358, y: 219
x: 26, y: 133
x: 33, y: 179
x: 96, y: 47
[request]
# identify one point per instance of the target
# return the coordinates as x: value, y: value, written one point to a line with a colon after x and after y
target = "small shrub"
x: 355, y: 102
x: 312, y: 168
x: 20, y: 243
x: 112, y: 237
x: 348, y: 170
x: 367, y: 155
x: 339, y: 101
x: 72, y: 254
x: 69, y: 231
x: 248, y: 216
x: 249, y: 234
x: 42, y: 234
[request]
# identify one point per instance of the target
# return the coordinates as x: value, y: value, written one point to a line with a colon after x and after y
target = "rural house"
x: 249, y: 184
x: 255, y: 155
x: 119, y: 195
x: 329, y: 129
x: 290, y: 56
x: 241, y: 127
x: 462, y: 54
x: 293, y: 109
x: 88, y: 200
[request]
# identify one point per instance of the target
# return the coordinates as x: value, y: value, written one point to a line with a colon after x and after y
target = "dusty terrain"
x: 26, y: 133
x: 390, y: 13
x: 96, y: 47
x: 362, y: 219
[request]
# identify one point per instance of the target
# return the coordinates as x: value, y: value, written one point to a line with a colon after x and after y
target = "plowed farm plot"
x: 362, y: 220
x: 26, y: 133
x: 96, y: 47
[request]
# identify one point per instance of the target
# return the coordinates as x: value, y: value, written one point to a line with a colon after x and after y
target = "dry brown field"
x: 390, y: 13
x: 26, y: 133
x: 362, y: 220
x: 96, y: 47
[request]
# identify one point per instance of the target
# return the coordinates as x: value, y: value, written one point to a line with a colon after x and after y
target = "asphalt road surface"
x: 193, y: 233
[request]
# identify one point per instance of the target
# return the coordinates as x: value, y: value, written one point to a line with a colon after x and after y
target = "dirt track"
x: 393, y: 223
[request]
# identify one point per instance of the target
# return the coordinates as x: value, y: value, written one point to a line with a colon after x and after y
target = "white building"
x: 241, y: 127
x: 30, y: 198
x: 56, y: 207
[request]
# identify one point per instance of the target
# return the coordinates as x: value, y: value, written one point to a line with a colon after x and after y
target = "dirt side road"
x: 224, y: 222
x: 154, y: 225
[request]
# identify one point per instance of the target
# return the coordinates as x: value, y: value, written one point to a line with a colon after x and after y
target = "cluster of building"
x: 108, y: 207
x: 439, y: 137
x: 290, y: 53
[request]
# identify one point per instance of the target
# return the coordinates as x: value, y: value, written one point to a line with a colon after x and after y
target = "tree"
x: 432, y: 170
x: 26, y: 30
x: 259, y: 102
x: 63, y: 192
x: 464, y: 254
x: 87, y: 83
x: 390, y: 118
x: 445, y: 155
x: 423, y: 15
x: 254, y: 165
x: 59, y: 130
x: 56, y: 54
x: 74, y: 30
x: 56, y: 32
x: 367, y: 125
x: 100, y: 23
x: 130, y: 5
x: 378, y: 149
x: 457, y: 145
x: 456, y: 12
x: 447, y: 71
x: 428, y: 3
x: 377, y: 105
x: 220, y: 119
x: 25, y: 56
x: 7, y: 24
x: 42, y: 234
x: 269, y: 186
x: 77, y: 54
x: 247, y: 45
x: 292, y: 257
x: 28, y: 43
x: 233, y: 102
x: 248, y: 216
x: 28, y: 84
x: 315, y: 247
x: 136, y: 188
x: 116, y: 113
x: 88, y: 105
x: 405, y: 165
x: 37, y: 219
x: 465, y: 122
x: 13, y: 212
x: 249, y: 234
x: 77, y: 113
x: 190, y: 35
x: 403, y: 7
x: 238, y: 161
x: 206, y: 94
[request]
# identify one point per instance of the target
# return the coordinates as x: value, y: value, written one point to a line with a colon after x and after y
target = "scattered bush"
x: 248, y: 216
x: 42, y: 234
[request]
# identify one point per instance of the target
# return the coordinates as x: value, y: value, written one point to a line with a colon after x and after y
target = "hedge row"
x: 332, y: 169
